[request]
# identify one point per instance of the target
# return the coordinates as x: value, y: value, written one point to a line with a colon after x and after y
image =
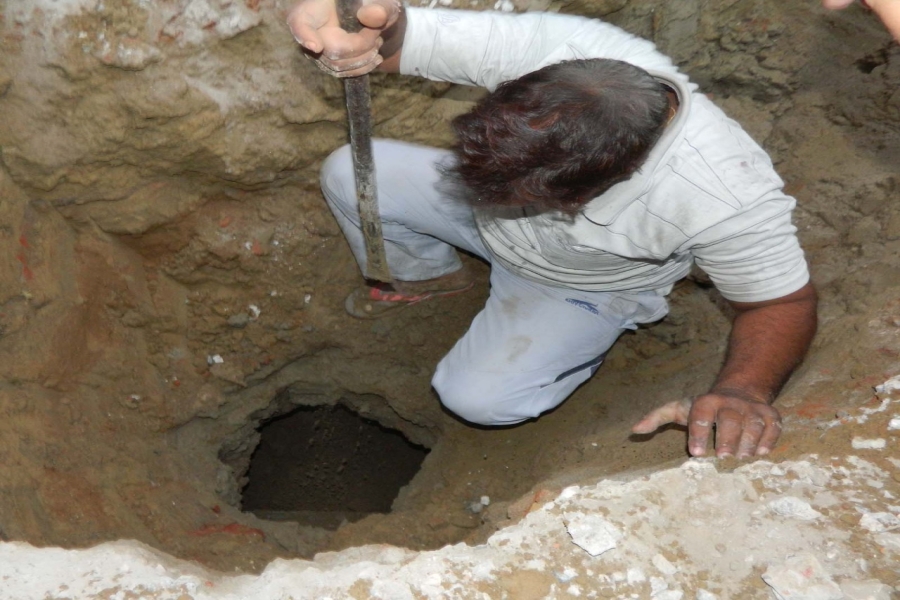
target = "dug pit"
x: 174, y: 283
x: 323, y: 466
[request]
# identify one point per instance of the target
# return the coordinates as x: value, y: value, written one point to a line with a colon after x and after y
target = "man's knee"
x: 478, y: 398
x: 337, y: 177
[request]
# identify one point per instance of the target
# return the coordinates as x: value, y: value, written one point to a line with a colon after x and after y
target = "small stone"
x: 889, y: 386
x: 802, y: 576
x: 894, y: 424
x: 871, y: 589
x: 662, y: 563
x: 706, y: 595
x: 848, y: 518
x: 239, y: 321
x: 889, y: 541
x: 634, y: 575
x: 592, y: 532
x: 864, y: 444
x: 657, y: 586
x: 795, y: 508
x: 879, y: 522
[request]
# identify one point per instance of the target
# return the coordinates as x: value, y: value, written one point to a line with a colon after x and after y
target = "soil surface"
x: 175, y: 282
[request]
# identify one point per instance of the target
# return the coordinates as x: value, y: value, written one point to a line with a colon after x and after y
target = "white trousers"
x: 532, y: 344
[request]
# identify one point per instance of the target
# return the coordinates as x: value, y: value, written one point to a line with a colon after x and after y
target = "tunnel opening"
x: 325, y: 465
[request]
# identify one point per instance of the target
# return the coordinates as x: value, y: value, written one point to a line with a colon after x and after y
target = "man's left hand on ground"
x: 768, y: 339
x: 743, y: 428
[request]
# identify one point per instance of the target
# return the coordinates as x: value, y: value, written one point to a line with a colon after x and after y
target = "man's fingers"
x: 306, y: 35
x: 729, y: 424
x: 306, y: 19
x: 349, y: 69
x: 754, y: 425
x: 836, y: 4
x: 340, y: 45
x: 672, y: 412
x: 769, y: 437
x: 743, y: 428
x: 343, y: 63
x: 315, y: 26
x: 700, y: 423
x: 379, y: 15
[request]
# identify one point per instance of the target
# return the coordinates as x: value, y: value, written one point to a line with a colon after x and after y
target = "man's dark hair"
x: 560, y: 136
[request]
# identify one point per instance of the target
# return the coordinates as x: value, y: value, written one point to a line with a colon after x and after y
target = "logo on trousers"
x: 588, y: 306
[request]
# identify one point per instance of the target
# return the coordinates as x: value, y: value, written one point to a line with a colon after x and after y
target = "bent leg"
x: 420, y: 224
x: 532, y: 345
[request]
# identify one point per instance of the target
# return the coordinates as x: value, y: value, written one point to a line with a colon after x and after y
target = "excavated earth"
x: 174, y: 287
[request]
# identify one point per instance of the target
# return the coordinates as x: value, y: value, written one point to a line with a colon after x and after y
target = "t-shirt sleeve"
x: 755, y: 255
x: 487, y: 48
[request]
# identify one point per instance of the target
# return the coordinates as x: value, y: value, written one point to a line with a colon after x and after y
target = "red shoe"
x: 376, y: 301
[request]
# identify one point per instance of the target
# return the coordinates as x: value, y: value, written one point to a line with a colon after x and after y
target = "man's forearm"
x: 768, y: 340
x: 393, y: 44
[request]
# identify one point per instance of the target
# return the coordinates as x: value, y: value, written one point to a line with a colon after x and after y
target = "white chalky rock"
x: 706, y: 595
x: 658, y: 585
x: 635, y: 575
x: 864, y: 444
x: 669, y: 595
x: 395, y: 590
x: 894, y: 424
x: 568, y: 493
x: 889, y: 386
x: 592, y: 532
x: 802, y: 577
x: 879, y: 522
x: 889, y: 541
x: 662, y: 563
x: 795, y: 508
x: 871, y: 589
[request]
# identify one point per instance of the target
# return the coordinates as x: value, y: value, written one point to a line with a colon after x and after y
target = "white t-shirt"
x: 707, y: 192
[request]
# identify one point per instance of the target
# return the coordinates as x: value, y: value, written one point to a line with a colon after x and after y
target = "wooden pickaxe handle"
x: 359, y: 114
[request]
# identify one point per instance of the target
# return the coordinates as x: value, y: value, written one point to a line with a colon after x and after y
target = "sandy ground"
x: 174, y: 281
x: 824, y: 527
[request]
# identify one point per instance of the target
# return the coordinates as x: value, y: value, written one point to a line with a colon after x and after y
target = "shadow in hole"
x: 323, y: 465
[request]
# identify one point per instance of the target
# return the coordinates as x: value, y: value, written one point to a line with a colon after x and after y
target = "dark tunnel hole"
x: 323, y: 465
x: 870, y: 62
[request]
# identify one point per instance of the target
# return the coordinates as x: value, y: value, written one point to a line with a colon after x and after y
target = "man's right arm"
x: 378, y: 44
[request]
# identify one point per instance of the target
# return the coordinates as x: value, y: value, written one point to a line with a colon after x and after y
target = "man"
x: 593, y: 177
x: 887, y: 10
